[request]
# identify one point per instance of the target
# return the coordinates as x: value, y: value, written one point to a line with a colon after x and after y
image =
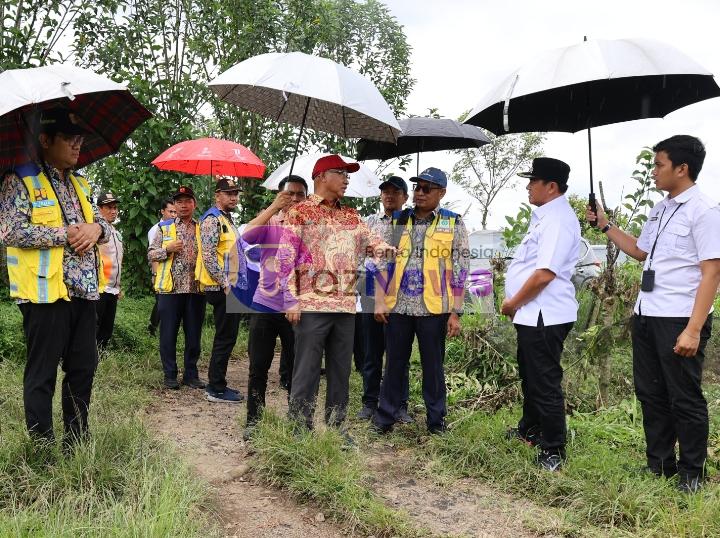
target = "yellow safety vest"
x: 163, y: 277
x: 36, y: 274
x: 437, y: 249
x: 227, y: 252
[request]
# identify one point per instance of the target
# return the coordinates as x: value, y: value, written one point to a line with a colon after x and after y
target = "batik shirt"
x: 183, y: 267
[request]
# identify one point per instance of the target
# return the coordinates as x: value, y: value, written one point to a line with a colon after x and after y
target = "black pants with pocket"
x: 669, y: 388
x: 175, y: 309
x: 59, y: 333
x: 106, y: 308
x: 227, y: 326
x: 538, y: 355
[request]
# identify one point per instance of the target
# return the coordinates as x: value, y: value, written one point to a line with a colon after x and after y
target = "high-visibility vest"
x: 163, y: 276
x: 436, y: 263
x: 227, y: 251
x: 36, y: 274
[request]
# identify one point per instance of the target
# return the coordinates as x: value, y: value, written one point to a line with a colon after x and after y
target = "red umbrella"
x: 211, y: 156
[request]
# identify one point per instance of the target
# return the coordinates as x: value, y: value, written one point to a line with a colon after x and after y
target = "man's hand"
x: 381, y: 312
x: 281, y: 201
x: 453, y: 325
x: 600, y: 216
x: 174, y: 246
x: 687, y: 343
x: 293, y: 315
x: 508, y: 309
x: 82, y: 237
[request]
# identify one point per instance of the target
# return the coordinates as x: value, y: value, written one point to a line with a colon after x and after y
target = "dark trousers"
x: 63, y: 333
x: 400, y: 332
x: 669, y: 388
x: 538, y: 355
x: 316, y: 333
x: 105, y: 308
x: 264, y: 330
x: 226, y: 331
x: 174, y: 309
x: 373, y: 333
x: 358, y: 344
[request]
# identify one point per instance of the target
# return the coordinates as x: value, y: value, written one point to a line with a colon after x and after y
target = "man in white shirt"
x: 680, y: 245
x: 167, y: 212
x: 540, y: 299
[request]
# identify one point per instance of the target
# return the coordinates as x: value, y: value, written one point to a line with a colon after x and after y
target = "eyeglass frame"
x: 72, y: 140
x: 339, y: 171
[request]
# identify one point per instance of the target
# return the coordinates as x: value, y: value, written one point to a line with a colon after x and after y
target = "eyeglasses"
x: 425, y: 188
x: 343, y: 173
x: 73, y: 140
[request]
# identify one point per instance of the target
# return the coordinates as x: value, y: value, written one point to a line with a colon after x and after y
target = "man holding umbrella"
x: 52, y: 231
x: 320, y: 250
x: 175, y: 248
x: 221, y: 266
x: 540, y: 299
x: 680, y: 246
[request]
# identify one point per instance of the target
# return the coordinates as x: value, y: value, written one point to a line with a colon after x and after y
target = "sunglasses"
x: 343, y: 173
x: 425, y: 188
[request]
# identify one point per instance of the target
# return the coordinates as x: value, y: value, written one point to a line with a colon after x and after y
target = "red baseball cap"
x: 333, y: 162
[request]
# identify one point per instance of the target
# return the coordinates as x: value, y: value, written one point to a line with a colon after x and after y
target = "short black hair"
x: 292, y: 179
x: 684, y: 149
x: 166, y: 202
x: 562, y: 187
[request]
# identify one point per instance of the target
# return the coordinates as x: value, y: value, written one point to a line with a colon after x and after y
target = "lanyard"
x: 661, y: 230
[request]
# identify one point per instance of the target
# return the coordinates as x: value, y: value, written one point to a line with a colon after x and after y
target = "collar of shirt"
x: 178, y: 220
x: 541, y: 211
x: 319, y: 200
x: 431, y: 216
x: 684, y: 196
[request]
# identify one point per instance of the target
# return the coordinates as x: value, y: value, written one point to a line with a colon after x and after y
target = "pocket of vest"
x: 43, y: 215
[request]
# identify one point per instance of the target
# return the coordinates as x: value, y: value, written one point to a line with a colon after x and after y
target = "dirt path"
x: 209, y: 437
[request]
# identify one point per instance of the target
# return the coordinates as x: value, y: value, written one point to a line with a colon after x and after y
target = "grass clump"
x: 313, y: 466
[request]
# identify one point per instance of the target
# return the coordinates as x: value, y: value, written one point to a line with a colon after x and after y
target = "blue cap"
x: 432, y: 175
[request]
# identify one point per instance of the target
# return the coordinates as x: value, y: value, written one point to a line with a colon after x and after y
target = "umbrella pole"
x: 297, y: 143
x: 417, y: 164
x: 591, y: 197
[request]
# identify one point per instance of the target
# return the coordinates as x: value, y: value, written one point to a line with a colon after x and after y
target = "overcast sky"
x: 459, y: 46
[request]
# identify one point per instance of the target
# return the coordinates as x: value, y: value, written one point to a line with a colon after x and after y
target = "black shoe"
x: 380, y: 429
x: 550, y: 460
x: 348, y: 443
x: 689, y: 484
x: 152, y: 330
x: 366, y: 413
x: 437, y: 430
x: 404, y: 417
x: 171, y: 383
x: 194, y: 383
x: 531, y: 438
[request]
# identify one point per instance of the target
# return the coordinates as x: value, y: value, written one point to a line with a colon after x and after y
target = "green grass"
x: 313, y: 466
x: 119, y: 483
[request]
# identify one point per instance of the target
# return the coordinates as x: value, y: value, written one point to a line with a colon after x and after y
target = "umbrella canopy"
x: 211, y: 156
x: 593, y: 83
x: 309, y: 91
x: 363, y: 183
x: 105, y: 108
x: 423, y: 134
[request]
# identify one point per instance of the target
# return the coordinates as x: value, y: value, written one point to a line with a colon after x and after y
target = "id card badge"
x: 648, y: 280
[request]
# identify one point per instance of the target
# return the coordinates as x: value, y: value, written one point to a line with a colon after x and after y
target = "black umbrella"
x: 591, y: 84
x: 423, y: 134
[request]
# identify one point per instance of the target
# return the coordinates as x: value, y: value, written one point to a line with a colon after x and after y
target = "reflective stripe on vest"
x: 163, y: 277
x: 436, y: 263
x: 36, y: 274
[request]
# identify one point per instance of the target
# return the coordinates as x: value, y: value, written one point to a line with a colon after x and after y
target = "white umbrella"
x: 309, y: 91
x: 105, y: 107
x: 363, y: 183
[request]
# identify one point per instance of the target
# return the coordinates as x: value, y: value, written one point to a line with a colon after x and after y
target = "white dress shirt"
x: 687, y: 237
x: 152, y: 231
x: 551, y: 243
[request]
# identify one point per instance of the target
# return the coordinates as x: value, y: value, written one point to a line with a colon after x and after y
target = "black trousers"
x: 226, y: 332
x: 538, y: 355
x: 264, y: 330
x: 105, y: 308
x: 400, y: 332
x: 373, y: 333
x: 154, y: 316
x: 669, y: 388
x: 62, y: 333
x: 174, y: 309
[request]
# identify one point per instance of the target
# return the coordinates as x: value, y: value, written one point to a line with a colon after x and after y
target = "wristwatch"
x: 607, y: 227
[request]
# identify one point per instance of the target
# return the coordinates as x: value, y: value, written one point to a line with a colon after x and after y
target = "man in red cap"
x: 180, y: 301
x: 319, y: 253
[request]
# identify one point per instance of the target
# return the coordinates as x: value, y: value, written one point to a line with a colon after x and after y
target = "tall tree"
x: 484, y: 172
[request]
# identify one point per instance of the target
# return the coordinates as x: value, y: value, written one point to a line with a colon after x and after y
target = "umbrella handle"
x: 593, y: 207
